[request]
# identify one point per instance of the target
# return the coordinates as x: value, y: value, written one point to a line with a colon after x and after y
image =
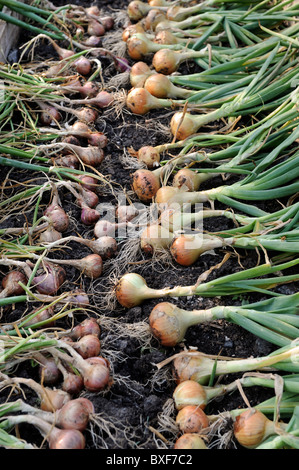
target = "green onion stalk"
x: 132, y: 289
x: 289, y: 439
x: 275, y: 320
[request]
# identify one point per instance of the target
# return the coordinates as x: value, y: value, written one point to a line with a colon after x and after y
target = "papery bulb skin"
x: 190, y: 368
x: 129, y: 289
x: 83, y: 66
x: 49, y: 372
x: 88, y: 346
x: 51, y: 280
x: 92, y: 266
x: 140, y: 71
x: 126, y: 213
x: 98, y: 376
x: 95, y: 28
x: 189, y: 392
x: 165, y: 194
x: 89, y: 216
x: 89, y: 326
x: 10, y: 283
x: 98, y: 139
x: 165, y: 324
x: 132, y: 29
x: 105, y: 246
x: 140, y: 101
x: 57, y: 217
x: 104, y: 228
x: 88, y: 182
x: 190, y: 441
x: 155, y: 237
x: 73, y: 415
x: 69, y: 161
x: 166, y: 37
x: 145, y: 184
x: 54, y: 399
x: 137, y: 48
x: 186, y: 179
x: 136, y: 10
x: 71, y: 139
x: 67, y: 439
x: 107, y: 22
x: 158, y: 85
x: 50, y: 235
x: 150, y: 156
x: 153, y: 19
x: 166, y: 61
x: 252, y: 427
x: 182, y: 125
x: 192, y: 419
x: 42, y: 316
x: 90, y: 198
x: 72, y: 384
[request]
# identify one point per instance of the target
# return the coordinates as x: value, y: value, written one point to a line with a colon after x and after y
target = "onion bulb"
x: 90, y: 265
x: 48, y: 370
x: 136, y: 9
x: 167, y: 61
x: 187, y: 248
x: 190, y: 180
x: 57, y: 216
x: 149, y: 156
x: 153, y: 19
x: 160, y: 86
x: 190, y: 441
x: 95, y: 28
x: 140, y: 101
x: 154, y: 238
x: 10, y: 284
x: 89, y: 326
x: 50, y: 281
x: 145, y: 184
x: 75, y: 414
x: 252, y: 427
x: 132, y: 29
x: 189, y: 393
x: 50, y: 235
x: 140, y: 71
x: 191, y: 419
x: 88, y: 346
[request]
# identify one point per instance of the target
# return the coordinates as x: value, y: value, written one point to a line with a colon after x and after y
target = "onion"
x: 10, y: 284
x: 107, y: 22
x: 129, y: 290
x: 62, y: 53
x: 192, y: 419
x: 97, y: 139
x: 92, y: 156
x: 49, y: 114
x: 92, y: 41
x: 190, y: 441
x: 78, y: 298
x: 57, y: 216
x: 154, y: 238
x: 169, y: 324
x: 84, y: 114
x: 74, y: 415
x: 90, y: 198
x: 50, y: 235
x: 95, y: 28
x: 89, y: 326
x: 153, y: 19
x: 56, y: 438
x: 167, y: 61
x: 140, y: 101
x: 72, y: 383
x: 88, y: 182
x: 160, y: 86
x: 183, y: 125
x: 166, y: 37
x: 190, y: 180
x: 252, y: 427
x: 50, y: 398
x: 71, y: 139
x: 90, y: 265
x: 93, y: 10
x: 87, y: 90
x: 43, y: 315
x: 50, y: 281
x: 136, y: 10
x: 94, y: 370
x: 149, y: 156
x: 186, y: 249
x: 189, y: 393
x: 126, y: 213
x: 88, y: 346
x: 101, y: 100
x: 145, y: 184
x: 140, y: 71
x: 89, y: 216
x: 48, y: 370
x: 83, y: 66
x: 132, y: 29
x: 69, y: 161
x: 104, y: 228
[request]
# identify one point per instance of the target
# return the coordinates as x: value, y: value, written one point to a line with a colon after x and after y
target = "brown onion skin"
x: 73, y: 415
x: 93, y: 266
x: 88, y: 346
x: 54, y: 399
x: 89, y: 326
x: 98, y: 376
x: 72, y: 384
x: 250, y: 428
x: 166, y: 327
x: 189, y: 392
x: 149, y: 156
x: 190, y: 441
x: 67, y: 439
x: 11, y: 280
x: 192, y: 419
x: 145, y: 184
x: 50, y: 282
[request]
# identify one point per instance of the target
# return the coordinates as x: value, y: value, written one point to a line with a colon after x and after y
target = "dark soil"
x: 129, y: 410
